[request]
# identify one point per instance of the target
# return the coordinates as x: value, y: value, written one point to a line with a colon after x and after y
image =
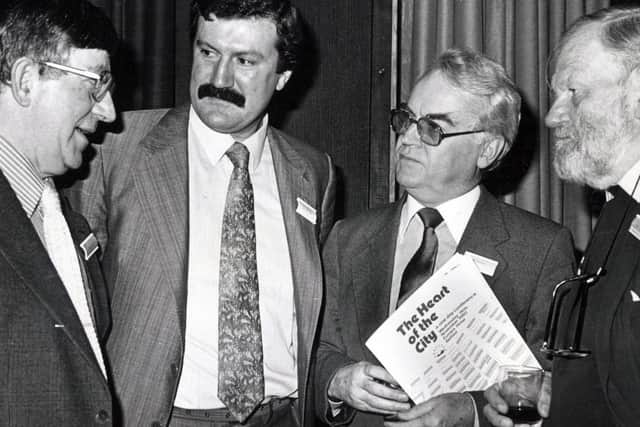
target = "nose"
x: 105, y: 110
x: 223, y: 73
x: 559, y: 112
x: 410, y: 136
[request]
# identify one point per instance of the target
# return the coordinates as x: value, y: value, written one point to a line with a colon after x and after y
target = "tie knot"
x: 239, y: 155
x: 430, y: 217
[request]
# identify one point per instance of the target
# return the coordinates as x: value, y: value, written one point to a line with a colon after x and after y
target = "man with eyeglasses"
x: 54, y: 312
x: 460, y: 121
x: 594, y: 329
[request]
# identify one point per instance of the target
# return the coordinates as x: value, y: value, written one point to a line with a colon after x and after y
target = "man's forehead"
x: 436, y: 95
x: 251, y: 31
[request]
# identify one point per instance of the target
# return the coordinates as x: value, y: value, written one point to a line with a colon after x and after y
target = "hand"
x: 497, y: 406
x: 445, y: 410
x: 367, y: 387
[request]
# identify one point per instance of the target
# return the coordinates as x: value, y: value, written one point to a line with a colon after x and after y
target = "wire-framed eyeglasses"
x: 429, y: 131
x: 582, y: 283
x: 102, y: 82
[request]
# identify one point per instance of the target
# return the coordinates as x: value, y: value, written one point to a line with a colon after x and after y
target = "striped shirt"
x: 22, y: 176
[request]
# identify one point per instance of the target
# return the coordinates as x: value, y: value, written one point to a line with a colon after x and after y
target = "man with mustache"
x: 211, y: 223
x: 595, y: 119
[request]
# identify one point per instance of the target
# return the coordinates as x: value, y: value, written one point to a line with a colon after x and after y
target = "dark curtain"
x: 153, y: 65
x: 519, y: 34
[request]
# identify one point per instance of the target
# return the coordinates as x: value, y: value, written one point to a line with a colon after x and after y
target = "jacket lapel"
x: 373, y: 270
x: 293, y: 183
x: 484, y: 234
x: 22, y: 249
x: 162, y: 183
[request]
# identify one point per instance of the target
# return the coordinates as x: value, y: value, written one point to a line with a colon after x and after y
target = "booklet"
x: 451, y: 335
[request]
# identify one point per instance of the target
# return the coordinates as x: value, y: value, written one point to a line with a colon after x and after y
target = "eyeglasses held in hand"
x: 429, y: 131
x: 103, y: 82
x: 582, y: 283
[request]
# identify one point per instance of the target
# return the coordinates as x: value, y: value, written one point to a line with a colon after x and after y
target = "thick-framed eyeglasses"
x: 581, y: 283
x: 429, y: 131
x: 102, y: 83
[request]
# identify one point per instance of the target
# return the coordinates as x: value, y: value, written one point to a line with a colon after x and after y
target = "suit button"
x: 174, y: 369
x: 102, y: 416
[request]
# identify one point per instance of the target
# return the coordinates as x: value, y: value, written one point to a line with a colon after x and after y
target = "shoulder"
x: 305, y: 150
x: 353, y: 229
x: 518, y: 218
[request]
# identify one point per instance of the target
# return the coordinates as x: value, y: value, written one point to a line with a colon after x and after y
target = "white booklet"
x: 450, y: 335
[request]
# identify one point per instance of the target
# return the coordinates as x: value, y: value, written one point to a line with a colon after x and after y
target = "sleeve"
x: 558, y: 263
x: 330, y: 355
x: 328, y: 203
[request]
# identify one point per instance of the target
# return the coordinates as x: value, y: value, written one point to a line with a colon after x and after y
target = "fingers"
x: 496, y: 408
x: 544, y: 402
x: 362, y: 387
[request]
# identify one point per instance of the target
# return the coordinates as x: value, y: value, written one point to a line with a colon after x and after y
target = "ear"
x: 283, y: 78
x: 492, y: 148
x: 24, y: 75
x: 632, y: 91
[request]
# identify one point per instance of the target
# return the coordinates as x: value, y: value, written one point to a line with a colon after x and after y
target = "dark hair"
x: 281, y: 12
x: 47, y: 29
x: 619, y: 31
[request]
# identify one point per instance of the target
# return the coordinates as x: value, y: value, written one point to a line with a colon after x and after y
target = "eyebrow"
x: 201, y: 43
x: 443, y: 117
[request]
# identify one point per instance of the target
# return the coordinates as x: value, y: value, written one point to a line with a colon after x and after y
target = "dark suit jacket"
x: 49, y: 375
x: 136, y: 199
x: 532, y: 254
x: 603, y: 389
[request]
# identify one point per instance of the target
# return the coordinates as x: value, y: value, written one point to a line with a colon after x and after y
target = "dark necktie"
x: 422, y: 263
x: 240, y: 360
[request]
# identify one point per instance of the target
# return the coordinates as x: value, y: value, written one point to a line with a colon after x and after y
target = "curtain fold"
x: 519, y: 34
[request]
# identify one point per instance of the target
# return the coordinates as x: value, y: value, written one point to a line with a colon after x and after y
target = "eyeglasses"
x: 103, y: 82
x: 582, y: 283
x: 429, y: 131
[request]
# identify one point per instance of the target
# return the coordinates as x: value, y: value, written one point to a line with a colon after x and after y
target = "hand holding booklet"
x: 451, y: 335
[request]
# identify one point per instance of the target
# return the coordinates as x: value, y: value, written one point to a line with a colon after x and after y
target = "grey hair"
x: 479, y: 75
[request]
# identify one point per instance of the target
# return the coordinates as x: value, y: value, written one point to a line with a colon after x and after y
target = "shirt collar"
x: 628, y: 181
x: 216, y: 144
x: 22, y: 175
x: 455, y: 212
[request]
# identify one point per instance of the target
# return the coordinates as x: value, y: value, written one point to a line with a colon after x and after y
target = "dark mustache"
x: 208, y: 90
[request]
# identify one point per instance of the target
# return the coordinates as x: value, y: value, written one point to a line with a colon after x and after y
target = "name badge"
x: 486, y: 265
x: 89, y: 246
x: 306, y: 211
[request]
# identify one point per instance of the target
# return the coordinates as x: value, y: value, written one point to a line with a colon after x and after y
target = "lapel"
x: 294, y: 182
x: 485, y: 233
x: 95, y: 286
x: 161, y: 181
x: 22, y: 249
x: 615, y: 288
x: 372, y: 269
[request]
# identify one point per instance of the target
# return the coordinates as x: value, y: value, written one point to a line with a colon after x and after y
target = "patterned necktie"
x: 421, y: 265
x: 240, y: 360
x: 62, y: 252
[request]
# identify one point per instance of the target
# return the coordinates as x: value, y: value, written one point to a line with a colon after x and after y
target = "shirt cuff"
x: 335, y: 407
x: 476, y: 419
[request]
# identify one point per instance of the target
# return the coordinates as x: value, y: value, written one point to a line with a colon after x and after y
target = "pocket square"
x: 634, y: 296
x: 306, y: 211
x: 89, y: 246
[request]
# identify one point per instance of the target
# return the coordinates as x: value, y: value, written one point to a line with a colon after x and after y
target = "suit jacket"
x: 602, y: 389
x: 532, y: 255
x: 48, y: 372
x: 136, y: 199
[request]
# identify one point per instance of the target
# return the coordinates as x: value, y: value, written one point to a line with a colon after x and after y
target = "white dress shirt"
x: 209, y: 173
x: 629, y: 180
x: 455, y: 214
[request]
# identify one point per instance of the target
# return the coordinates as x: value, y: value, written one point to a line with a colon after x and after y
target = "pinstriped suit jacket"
x: 136, y: 200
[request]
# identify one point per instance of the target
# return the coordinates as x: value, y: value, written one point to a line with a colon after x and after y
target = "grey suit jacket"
x: 532, y: 253
x: 49, y: 375
x: 136, y: 200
